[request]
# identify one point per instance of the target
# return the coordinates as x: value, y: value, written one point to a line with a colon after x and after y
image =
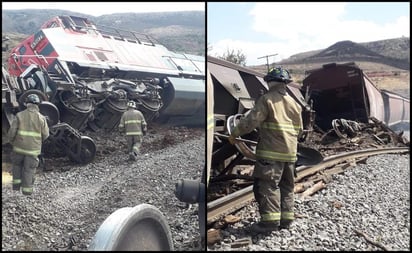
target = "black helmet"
x: 33, y: 98
x: 278, y: 74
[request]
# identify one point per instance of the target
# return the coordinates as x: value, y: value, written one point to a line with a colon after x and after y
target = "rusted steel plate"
x: 230, y: 80
x: 398, y: 115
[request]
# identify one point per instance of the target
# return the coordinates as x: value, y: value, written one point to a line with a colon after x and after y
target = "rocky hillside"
x: 179, y: 31
x: 386, y: 62
x: 392, y: 52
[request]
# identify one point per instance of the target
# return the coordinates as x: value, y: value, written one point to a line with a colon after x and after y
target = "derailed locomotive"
x: 85, y: 74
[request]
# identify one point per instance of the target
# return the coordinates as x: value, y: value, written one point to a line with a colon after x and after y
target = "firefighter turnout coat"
x: 278, y: 118
x: 133, y: 122
x: 28, y: 131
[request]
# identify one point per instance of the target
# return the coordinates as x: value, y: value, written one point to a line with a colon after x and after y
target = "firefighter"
x: 27, y: 133
x: 278, y: 117
x: 134, y: 125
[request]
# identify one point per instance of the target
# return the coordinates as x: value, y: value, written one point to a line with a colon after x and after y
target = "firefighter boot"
x: 285, y: 224
x: 16, y: 187
x: 27, y: 190
x: 132, y: 156
x: 135, y: 155
x: 264, y: 227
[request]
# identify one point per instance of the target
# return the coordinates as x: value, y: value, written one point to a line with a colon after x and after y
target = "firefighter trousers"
x: 273, y: 189
x: 133, y: 143
x: 24, y: 170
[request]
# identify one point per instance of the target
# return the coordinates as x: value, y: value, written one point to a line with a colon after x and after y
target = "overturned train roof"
x: 236, y: 88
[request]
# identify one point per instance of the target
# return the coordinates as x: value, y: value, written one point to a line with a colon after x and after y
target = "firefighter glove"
x: 232, y: 139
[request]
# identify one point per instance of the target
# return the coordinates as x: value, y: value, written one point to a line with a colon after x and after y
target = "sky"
x: 287, y: 28
x: 101, y: 8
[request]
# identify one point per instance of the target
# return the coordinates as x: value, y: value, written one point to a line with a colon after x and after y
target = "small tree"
x: 235, y: 57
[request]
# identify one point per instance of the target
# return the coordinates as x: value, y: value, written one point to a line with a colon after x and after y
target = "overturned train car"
x: 345, y: 91
x: 89, y: 73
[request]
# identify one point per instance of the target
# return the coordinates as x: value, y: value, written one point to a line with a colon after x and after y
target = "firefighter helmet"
x: 131, y: 104
x: 33, y: 98
x: 278, y: 74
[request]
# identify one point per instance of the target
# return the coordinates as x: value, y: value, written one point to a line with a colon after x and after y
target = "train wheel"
x: 141, y: 228
x: 85, y: 153
x: 22, y: 98
x: 51, y: 113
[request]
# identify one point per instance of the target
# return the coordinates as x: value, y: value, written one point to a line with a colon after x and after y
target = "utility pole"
x: 267, y: 59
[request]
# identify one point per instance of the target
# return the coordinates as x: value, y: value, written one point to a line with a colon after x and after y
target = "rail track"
x: 228, y: 204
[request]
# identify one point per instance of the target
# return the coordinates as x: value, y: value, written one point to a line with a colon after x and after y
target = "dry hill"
x: 386, y: 62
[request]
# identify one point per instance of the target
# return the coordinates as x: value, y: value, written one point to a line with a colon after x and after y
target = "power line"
x: 267, y: 59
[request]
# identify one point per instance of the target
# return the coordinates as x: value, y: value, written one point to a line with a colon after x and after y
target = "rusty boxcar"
x: 345, y: 91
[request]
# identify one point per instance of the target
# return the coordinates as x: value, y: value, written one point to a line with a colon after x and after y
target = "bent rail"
x: 234, y: 201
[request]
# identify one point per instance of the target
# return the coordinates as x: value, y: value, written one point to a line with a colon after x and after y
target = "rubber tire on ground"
x: 140, y: 228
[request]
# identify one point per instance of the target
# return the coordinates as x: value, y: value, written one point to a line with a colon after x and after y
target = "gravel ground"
x: 373, y: 198
x: 71, y: 201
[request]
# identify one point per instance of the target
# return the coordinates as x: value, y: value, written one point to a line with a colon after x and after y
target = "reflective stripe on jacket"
x: 278, y: 118
x: 133, y: 121
x: 28, y: 131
